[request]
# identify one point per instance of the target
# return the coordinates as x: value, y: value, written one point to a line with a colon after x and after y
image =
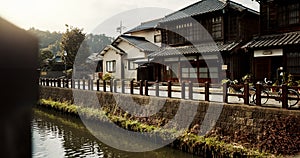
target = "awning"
x: 195, y: 49
x: 291, y: 38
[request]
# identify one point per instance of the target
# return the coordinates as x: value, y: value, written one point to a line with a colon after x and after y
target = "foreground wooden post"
x: 169, y: 89
x: 258, y: 94
x: 190, y: 90
x: 183, y: 90
x: 131, y: 86
x: 156, y: 88
x: 206, y: 91
x: 246, y: 93
x: 141, y: 87
x: 285, y: 96
x: 225, y: 95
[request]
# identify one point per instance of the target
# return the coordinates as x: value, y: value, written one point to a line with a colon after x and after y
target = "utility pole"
x: 120, y: 28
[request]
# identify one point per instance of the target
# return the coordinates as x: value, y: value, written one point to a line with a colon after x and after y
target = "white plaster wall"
x: 109, y: 56
x: 131, y: 53
x: 148, y: 35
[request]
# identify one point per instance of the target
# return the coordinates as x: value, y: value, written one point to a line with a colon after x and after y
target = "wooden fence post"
x: 123, y: 86
x: 47, y: 82
x: 92, y: 84
x: 169, y: 89
x: 190, y: 90
x: 131, y: 86
x: 258, y: 94
x: 104, y: 85
x: 58, y: 83
x: 206, y: 91
x: 69, y: 83
x: 156, y: 88
x: 111, y: 85
x: 285, y: 96
x: 225, y: 95
x: 246, y: 93
x: 83, y: 84
x: 89, y: 84
x: 141, y: 87
x: 51, y: 82
x: 115, y: 85
x: 183, y: 90
x: 73, y: 83
x: 98, y: 84
x: 146, y: 88
x: 78, y: 86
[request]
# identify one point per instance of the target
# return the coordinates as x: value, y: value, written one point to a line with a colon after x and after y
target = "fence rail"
x: 183, y: 90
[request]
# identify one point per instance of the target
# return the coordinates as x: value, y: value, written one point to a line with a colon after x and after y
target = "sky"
x: 93, y: 16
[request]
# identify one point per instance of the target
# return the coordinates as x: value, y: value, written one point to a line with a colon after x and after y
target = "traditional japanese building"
x: 277, y: 48
x: 121, y: 58
x: 209, y: 34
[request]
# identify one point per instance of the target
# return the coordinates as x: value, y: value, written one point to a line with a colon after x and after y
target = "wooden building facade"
x: 209, y: 34
x: 277, y: 48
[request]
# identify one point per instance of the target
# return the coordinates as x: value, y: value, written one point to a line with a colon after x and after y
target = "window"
x: 203, y: 72
x: 111, y: 66
x: 189, y: 72
x: 294, y: 14
x: 293, y: 62
x: 132, y: 65
x: 288, y: 14
x: 212, y: 72
x: 217, y: 27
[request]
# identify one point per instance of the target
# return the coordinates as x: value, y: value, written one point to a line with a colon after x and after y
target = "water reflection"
x: 55, y: 135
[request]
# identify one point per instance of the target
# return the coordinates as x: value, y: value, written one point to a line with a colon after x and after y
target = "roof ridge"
x: 145, y: 22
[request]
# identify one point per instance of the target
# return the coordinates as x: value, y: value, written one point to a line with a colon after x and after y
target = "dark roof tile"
x: 290, y: 38
x: 197, y: 49
x: 141, y: 43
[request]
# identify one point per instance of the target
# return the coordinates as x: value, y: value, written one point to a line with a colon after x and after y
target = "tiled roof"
x: 202, y: 7
x: 145, y: 26
x: 140, y: 43
x: 290, y: 38
x: 197, y: 49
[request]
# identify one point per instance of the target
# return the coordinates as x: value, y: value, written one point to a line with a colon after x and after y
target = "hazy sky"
x: 91, y: 15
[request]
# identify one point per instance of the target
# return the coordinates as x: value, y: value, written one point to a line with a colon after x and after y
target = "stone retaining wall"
x: 268, y: 129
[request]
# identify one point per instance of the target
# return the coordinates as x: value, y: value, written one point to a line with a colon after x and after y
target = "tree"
x: 71, y: 41
x: 44, y: 55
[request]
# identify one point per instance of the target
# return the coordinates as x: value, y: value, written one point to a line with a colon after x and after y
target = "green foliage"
x: 51, y: 41
x: 107, y: 76
x: 71, y: 41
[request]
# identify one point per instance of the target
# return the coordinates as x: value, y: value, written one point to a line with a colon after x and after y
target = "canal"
x: 57, y: 135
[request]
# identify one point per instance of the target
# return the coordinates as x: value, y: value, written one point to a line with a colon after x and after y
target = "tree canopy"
x: 71, y: 41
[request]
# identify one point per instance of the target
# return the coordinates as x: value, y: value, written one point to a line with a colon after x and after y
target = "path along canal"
x: 56, y: 135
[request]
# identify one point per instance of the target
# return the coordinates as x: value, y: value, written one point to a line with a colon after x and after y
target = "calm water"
x: 55, y: 135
